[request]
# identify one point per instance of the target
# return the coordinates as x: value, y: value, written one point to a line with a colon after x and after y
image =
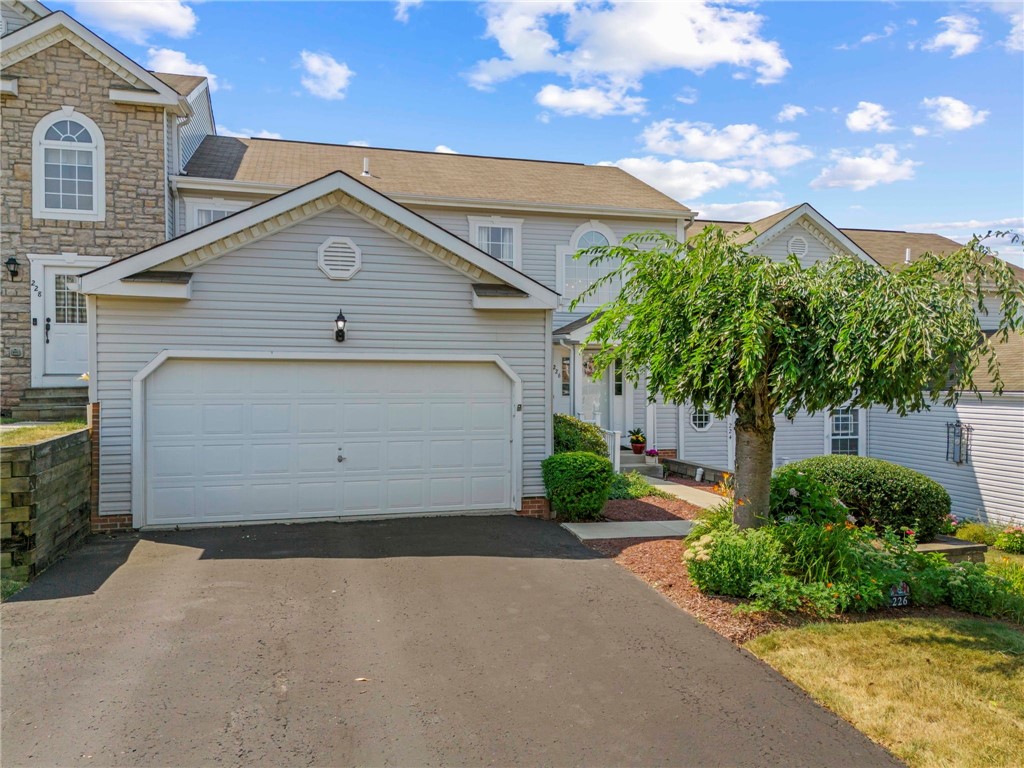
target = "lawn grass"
x: 633, y: 485
x: 998, y: 557
x: 9, y: 586
x: 935, y: 692
x: 29, y: 435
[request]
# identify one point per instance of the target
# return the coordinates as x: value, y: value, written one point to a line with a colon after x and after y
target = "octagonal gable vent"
x: 798, y: 246
x: 339, y: 258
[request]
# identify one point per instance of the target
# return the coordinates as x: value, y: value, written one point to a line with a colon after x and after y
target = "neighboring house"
x: 975, y: 450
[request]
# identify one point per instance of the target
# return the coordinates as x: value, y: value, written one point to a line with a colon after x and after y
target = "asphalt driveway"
x: 483, y: 641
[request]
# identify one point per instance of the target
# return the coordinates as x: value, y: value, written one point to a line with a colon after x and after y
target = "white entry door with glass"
x: 603, y: 399
x: 60, y: 321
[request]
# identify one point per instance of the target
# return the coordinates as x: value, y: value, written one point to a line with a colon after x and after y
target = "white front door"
x: 242, y: 440
x: 65, y: 325
x: 60, y: 319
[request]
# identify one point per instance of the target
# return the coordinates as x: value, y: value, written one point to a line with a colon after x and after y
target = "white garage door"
x: 257, y: 440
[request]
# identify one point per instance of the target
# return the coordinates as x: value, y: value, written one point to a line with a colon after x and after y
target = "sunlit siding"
x: 991, y: 486
x: 800, y: 438
x: 271, y: 295
x: 199, y: 126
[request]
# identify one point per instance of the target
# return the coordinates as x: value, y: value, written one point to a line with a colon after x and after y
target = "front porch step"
x: 52, y: 404
x: 630, y: 462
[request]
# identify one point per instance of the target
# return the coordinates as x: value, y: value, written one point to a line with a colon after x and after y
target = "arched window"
x: 67, y: 168
x: 700, y: 419
x: 578, y: 274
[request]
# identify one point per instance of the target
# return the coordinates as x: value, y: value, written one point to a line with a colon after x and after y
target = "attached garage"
x: 248, y: 440
x: 226, y: 394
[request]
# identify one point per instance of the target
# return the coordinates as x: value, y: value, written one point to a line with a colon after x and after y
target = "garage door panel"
x: 240, y: 440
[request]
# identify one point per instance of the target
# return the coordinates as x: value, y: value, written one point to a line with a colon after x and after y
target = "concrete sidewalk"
x: 661, y: 529
x: 695, y: 496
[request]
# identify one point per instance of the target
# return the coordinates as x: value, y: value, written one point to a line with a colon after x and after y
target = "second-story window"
x: 499, y: 237
x: 67, y: 168
x: 578, y: 274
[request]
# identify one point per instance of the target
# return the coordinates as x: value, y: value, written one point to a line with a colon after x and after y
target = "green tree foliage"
x: 736, y: 333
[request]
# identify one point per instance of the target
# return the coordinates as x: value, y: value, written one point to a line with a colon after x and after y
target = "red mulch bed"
x: 683, y: 480
x: 649, y: 508
x: 660, y: 563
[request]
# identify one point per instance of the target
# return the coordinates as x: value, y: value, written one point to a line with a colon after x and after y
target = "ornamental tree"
x: 740, y: 334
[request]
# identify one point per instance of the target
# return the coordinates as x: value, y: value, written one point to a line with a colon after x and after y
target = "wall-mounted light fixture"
x: 12, y: 267
x: 339, y: 326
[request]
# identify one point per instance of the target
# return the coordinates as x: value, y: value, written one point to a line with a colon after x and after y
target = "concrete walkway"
x: 662, y: 529
x: 695, y: 496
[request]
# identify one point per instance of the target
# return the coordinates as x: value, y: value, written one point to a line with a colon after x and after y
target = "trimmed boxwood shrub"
x: 571, y: 434
x: 882, y: 494
x: 577, y: 483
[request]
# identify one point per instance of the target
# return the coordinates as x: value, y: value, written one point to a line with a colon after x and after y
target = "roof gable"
x: 336, y: 189
x: 56, y: 27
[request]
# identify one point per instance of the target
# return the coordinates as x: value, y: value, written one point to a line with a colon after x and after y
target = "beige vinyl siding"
x: 542, y: 234
x: 801, y: 438
x: 991, y: 486
x: 778, y: 248
x: 272, y: 296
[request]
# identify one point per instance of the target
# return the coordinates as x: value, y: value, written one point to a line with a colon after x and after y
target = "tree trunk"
x: 755, y: 435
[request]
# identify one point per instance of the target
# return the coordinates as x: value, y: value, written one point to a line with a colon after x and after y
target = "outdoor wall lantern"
x: 12, y: 267
x: 340, y: 322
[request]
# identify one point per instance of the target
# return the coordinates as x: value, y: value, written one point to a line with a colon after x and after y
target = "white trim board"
x: 252, y: 223
x: 37, y: 289
x: 805, y: 210
x: 138, y: 471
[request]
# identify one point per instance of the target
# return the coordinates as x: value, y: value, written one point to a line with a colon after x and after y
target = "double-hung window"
x: 68, y: 168
x: 845, y: 432
x: 202, y: 211
x: 499, y: 237
x: 578, y: 274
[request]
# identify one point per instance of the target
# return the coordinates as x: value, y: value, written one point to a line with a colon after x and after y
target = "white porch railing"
x: 612, y: 440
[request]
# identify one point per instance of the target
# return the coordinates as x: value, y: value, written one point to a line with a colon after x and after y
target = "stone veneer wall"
x: 136, y: 185
x: 44, y: 502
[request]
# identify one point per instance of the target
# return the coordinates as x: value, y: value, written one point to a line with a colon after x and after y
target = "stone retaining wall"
x: 44, y: 502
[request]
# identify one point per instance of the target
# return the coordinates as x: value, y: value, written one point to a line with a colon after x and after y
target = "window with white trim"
x: 845, y: 434
x: 202, y: 211
x: 499, y: 237
x: 578, y: 274
x: 68, y: 168
x: 701, y: 419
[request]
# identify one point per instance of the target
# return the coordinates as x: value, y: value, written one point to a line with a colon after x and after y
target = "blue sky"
x: 888, y: 115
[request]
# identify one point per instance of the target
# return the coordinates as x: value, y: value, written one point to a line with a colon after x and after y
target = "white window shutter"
x: 339, y: 258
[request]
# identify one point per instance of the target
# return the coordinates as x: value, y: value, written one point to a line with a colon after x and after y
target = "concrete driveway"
x: 484, y: 641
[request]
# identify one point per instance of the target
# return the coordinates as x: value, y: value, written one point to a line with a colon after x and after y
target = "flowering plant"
x: 651, y: 452
x: 1011, y: 539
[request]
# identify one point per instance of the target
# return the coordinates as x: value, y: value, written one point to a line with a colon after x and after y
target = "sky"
x: 881, y: 115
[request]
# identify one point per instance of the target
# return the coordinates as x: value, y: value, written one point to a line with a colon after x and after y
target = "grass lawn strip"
x: 36, y: 434
x: 8, y: 587
x: 936, y: 692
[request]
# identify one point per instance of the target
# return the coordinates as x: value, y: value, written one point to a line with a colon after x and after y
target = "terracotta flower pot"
x: 638, y: 448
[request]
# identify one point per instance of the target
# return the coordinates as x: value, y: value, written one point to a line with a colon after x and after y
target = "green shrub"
x: 979, y: 533
x: 786, y: 593
x: 796, y: 495
x: 730, y: 562
x: 716, y: 518
x: 882, y: 494
x: 572, y: 434
x: 1011, y: 573
x: 1011, y: 539
x: 577, y: 483
x: 633, y: 485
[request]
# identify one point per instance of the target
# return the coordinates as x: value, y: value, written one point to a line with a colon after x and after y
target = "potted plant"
x: 637, y: 440
x: 652, y: 455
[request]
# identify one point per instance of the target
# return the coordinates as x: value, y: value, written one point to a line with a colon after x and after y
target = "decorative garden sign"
x: 899, y: 595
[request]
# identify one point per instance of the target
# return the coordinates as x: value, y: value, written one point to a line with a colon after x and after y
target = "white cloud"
x: 325, y: 77
x: 358, y: 143
x: 881, y: 164
x: 741, y: 143
x: 789, y: 113
x: 444, y: 149
x: 887, y: 31
x: 402, y: 8
x: 960, y: 36
x: 1006, y: 246
x: 136, y: 21
x: 919, y: 130
x: 749, y: 210
x: 246, y: 133
x: 1015, y: 13
x: 591, y: 102
x: 612, y: 46
x: 869, y: 116
x: 176, y: 62
x: 953, y: 114
x: 687, y: 95
x: 687, y: 181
